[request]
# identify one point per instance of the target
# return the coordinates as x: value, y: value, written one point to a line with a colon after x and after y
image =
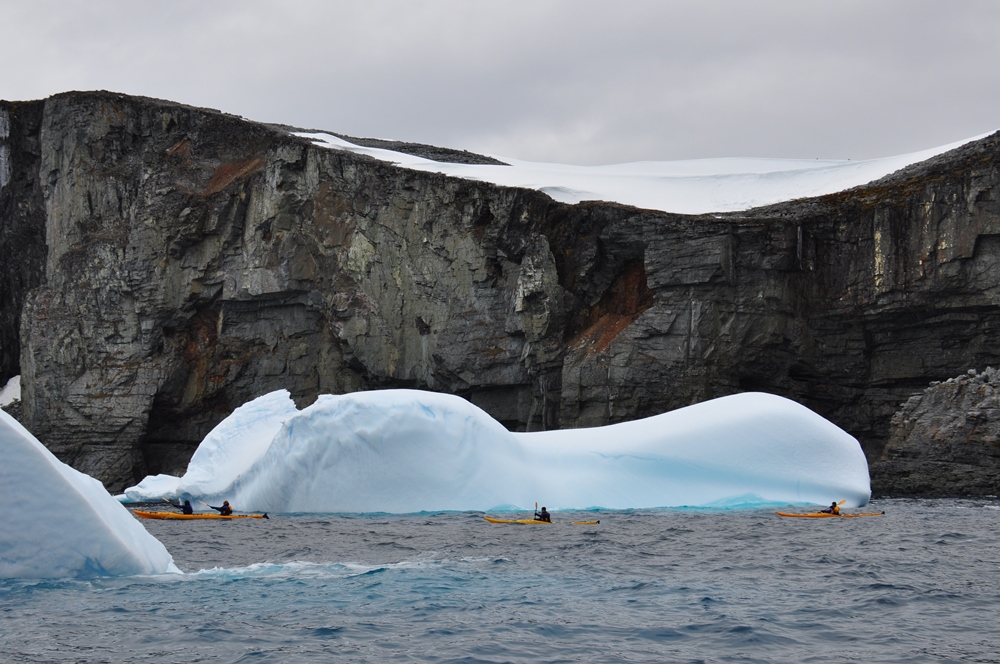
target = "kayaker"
x: 543, y: 515
x: 225, y: 510
x: 185, y: 508
x: 834, y: 508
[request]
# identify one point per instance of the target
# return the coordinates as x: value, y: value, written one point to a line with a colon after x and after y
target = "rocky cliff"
x: 945, y: 441
x: 170, y: 263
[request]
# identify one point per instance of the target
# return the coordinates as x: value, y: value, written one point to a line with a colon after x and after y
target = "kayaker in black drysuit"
x: 834, y: 508
x: 225, y: 510
x: 543, y: 515
x: 185, y: 508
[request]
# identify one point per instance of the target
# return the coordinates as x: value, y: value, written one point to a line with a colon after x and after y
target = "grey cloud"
x: 578, y: 81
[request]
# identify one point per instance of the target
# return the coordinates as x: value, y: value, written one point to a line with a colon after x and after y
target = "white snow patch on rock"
x: 698, y: 186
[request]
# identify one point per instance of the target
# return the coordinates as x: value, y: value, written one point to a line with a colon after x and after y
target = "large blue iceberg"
x: 60, y: 523
x: 404, y: 451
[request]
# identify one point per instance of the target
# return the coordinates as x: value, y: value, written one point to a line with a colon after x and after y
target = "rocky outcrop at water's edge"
x: 945, y: 441
x: 160, y: 265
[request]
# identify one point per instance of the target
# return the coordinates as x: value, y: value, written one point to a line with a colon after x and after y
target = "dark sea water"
x: 920, y: 584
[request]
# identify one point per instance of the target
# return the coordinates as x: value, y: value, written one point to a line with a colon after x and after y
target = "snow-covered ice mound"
x: 696, y: 186
x: 405, y: 451
x: 60, y: 523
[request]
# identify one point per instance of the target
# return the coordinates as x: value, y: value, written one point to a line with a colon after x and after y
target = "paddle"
x: 184, y: 507
x: 265, y: 516
x: 544, y: 516
x: 830, y: 509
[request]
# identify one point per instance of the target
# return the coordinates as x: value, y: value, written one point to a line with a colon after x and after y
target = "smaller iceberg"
x: 405, y: 451
x: 60, y: 523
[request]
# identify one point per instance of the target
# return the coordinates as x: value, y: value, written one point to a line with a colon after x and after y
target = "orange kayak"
x: 827, y: 515
x: 186, y: 517
x: 533, y: 521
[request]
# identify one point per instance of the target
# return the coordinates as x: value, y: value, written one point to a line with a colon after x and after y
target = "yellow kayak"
x: 573, y: 523
x: 186, y: 517
x: 827, y: 515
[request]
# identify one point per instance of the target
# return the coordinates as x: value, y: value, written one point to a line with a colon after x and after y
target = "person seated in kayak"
x: 543, y: 515
x: 834, y: 508
x: 225, y: 510
x: 185, y: 508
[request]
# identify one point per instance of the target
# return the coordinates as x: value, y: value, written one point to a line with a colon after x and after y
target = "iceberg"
x: 406, y: 451
x: 60, y: 523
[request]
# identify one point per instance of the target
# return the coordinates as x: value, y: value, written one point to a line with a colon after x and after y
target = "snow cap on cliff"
x: 696, y: 186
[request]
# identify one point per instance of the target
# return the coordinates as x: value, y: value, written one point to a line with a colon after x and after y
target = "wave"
x: 300, y: 569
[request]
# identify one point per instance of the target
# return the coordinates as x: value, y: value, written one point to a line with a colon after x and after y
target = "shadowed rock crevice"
x: 22, y: 223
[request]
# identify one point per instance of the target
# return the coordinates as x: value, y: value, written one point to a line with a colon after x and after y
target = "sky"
x: 569, y: 81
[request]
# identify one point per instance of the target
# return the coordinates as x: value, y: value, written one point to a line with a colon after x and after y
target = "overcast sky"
x: 571, y: 81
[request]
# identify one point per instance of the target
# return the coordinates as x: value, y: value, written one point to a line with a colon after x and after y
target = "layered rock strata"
x: 189, y: 261
x: 945, y: 441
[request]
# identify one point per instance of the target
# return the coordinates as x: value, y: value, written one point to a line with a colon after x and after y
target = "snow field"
x: 698, y: 186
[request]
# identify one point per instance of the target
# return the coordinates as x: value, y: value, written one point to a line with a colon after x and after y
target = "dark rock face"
x: 22, y: 224
x: 946, y: 440
x: 190, y: 261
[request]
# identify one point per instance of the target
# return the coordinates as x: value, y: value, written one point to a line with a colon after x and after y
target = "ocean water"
x: 919, y: 584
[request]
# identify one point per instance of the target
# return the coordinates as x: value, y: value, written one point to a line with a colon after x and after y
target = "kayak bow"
x: 186, y: 517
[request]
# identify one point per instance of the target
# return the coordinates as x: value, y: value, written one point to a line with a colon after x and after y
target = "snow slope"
x: 61, y: 523
x: 404, y: 451
x: 11, y: 392
x: 686, y: 187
